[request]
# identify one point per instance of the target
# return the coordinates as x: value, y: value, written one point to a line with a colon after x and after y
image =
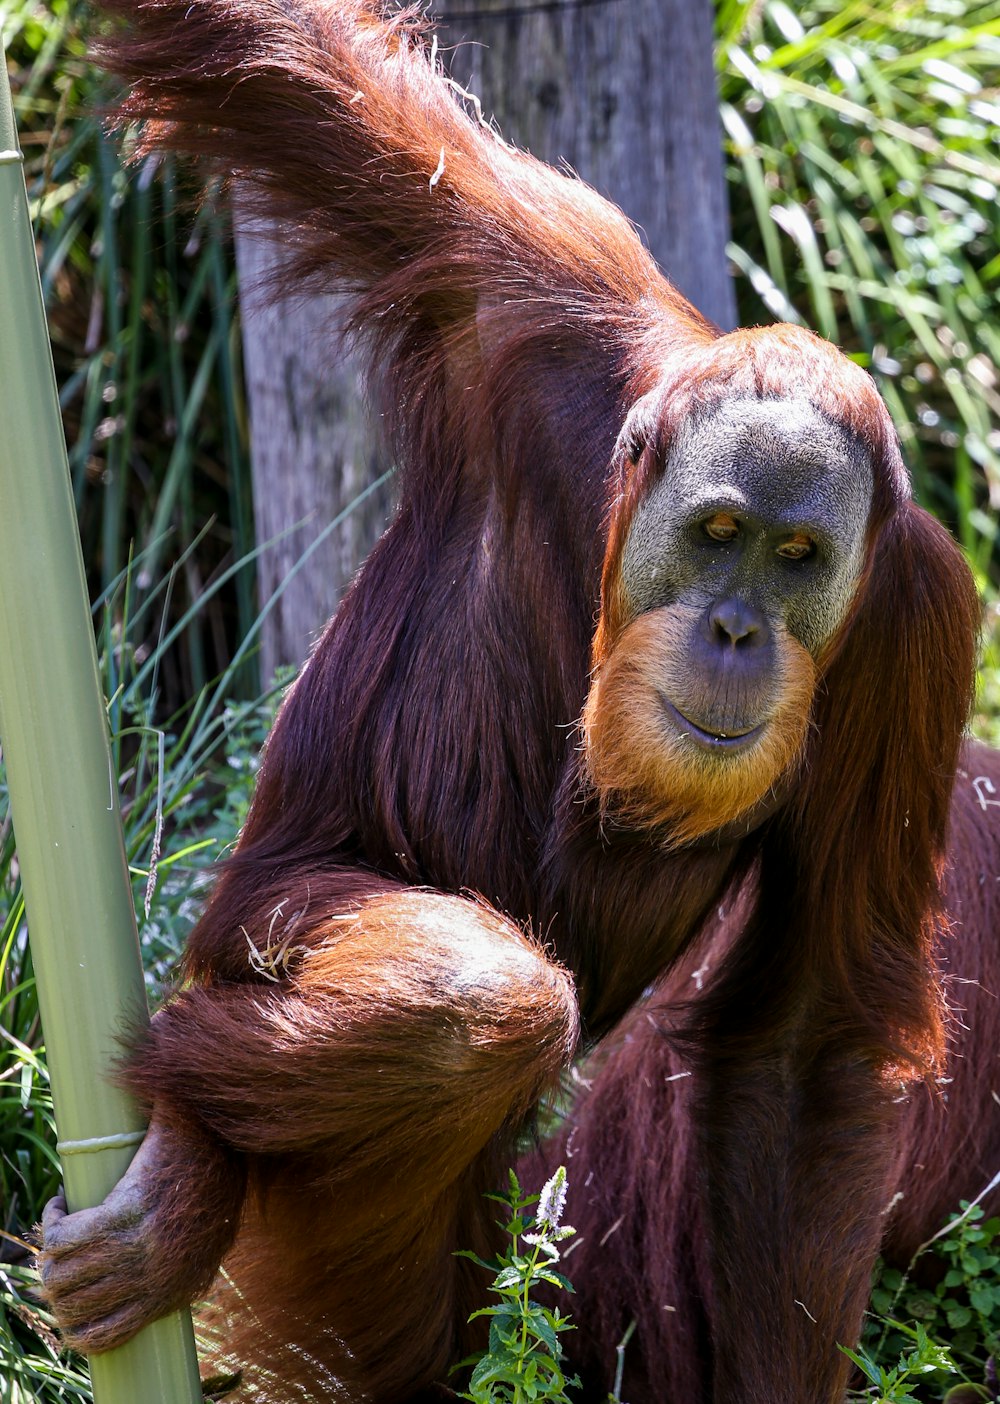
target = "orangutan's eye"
x: 797, y: 547
x: 721, y: 527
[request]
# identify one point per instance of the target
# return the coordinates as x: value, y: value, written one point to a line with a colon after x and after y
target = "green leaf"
x: 864, y: 1363
x: 982, y: 1299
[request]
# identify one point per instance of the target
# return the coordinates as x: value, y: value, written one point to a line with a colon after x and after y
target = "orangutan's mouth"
x: 711, y: 738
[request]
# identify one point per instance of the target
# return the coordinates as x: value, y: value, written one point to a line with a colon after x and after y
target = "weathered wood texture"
x: 623, y: 91
x: 313, y: 450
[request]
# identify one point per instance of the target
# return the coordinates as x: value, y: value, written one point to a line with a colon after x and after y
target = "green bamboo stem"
x: 62, y: 790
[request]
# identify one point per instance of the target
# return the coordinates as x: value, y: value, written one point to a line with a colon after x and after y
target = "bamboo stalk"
x: 62, y: 790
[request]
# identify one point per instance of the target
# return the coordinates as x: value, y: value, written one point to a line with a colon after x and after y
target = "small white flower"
x: 552, y: 1201
x: 544, y: 1244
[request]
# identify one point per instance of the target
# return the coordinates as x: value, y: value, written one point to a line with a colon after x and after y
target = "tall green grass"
x: 864, y: 161
x: 140, y: 293
x: 185, y: 786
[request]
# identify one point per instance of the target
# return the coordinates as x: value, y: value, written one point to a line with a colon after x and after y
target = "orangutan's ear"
x: 639, y: 429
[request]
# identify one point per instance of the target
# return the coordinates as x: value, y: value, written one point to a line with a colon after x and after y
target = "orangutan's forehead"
x: 782, y: 455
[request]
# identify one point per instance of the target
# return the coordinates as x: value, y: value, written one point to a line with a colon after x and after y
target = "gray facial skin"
x: 777, y: 467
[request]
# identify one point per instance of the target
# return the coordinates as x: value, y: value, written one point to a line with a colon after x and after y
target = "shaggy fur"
x: 824, y: 1166
x: 357, y: 1039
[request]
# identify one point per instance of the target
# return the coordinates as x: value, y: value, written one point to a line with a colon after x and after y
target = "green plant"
x: 902, y: 1346
x: 523, y: 1360
x: 31, y: 1370
x: 184, y: 789
x: 894, y: 1385
x: 141, y: 303
x: 862, y: 143
x: 615, y: 1397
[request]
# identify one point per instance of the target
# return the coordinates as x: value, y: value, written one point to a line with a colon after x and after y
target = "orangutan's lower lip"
x: 711, y: 740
